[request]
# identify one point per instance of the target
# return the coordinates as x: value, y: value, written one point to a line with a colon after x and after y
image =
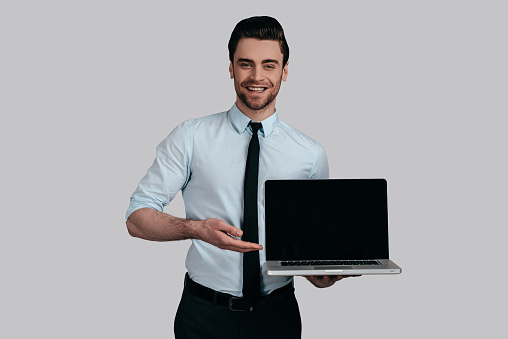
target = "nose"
x: 257, y: 74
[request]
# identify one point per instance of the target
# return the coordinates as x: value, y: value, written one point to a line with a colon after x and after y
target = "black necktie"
x: 251, y: 271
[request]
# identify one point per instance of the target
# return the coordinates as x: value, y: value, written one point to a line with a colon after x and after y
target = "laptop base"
x: 385, y: 266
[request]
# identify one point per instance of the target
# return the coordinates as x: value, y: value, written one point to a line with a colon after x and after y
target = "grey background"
x: 412, y: 91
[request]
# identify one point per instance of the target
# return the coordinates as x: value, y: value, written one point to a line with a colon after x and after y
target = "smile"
x: 256, y: 89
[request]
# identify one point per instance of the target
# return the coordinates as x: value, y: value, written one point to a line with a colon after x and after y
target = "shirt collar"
x: 241, y: 122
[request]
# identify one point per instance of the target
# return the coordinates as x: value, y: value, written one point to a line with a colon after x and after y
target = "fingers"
x: 221, y: 234
x: 241, y: 246
x: 329, y: 277
x: 232, y: 230
x: 326, y: 278
x: 322, y: 281
x: 223, y: 226
x: 232, y: 244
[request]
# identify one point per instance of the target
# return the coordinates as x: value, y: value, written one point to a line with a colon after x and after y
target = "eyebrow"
x: 266, y: 61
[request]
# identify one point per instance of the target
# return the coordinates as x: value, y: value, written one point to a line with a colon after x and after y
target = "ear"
x: 231, y: 73
x: 285, y: 72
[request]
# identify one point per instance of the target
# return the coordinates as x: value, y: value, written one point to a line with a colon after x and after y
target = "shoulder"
x: 298, y: 137
x: 305, y: 148
x: 217, y: 118
x: 184, y: 131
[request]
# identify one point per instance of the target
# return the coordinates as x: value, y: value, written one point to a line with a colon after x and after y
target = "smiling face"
x: 257, y: 71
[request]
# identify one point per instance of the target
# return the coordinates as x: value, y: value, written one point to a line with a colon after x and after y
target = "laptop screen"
x: 332, y: 219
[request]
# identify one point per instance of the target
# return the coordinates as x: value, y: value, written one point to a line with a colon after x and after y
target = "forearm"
x: 150, y: 224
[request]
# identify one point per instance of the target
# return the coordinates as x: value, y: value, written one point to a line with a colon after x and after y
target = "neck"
x: 256, y: 115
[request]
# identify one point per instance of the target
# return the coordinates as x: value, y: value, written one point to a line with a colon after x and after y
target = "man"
x: 220, y: 162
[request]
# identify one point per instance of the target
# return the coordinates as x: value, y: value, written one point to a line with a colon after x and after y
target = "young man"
x: 220, y: 162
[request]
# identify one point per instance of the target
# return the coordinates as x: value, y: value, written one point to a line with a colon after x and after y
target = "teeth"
x: 257, y: 89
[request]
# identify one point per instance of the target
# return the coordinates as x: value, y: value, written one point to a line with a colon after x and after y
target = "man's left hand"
x: 322, y: 281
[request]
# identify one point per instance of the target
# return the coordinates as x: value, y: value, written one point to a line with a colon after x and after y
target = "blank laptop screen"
x: 333, y: 219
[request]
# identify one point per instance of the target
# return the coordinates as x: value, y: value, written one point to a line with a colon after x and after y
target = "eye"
x: 244, y: 65
x: 270, y: 66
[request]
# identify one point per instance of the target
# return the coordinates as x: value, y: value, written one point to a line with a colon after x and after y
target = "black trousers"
x: 275, y: 317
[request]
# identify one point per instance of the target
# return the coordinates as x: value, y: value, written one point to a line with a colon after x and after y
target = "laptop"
x: 327, y: 227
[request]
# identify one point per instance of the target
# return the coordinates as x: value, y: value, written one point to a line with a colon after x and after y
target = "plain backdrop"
x: 411, y: 91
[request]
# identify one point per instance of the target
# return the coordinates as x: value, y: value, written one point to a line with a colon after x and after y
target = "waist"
x: 219, y: 269
x: 235, y: 303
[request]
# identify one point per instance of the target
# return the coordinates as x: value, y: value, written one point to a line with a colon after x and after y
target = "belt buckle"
x: 238, y: 308
x: 243, y: 308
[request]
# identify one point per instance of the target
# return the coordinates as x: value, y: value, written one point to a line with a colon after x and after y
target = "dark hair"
x: 259, y: 27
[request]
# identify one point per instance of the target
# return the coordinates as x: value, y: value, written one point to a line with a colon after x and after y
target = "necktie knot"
x: 256, y: 126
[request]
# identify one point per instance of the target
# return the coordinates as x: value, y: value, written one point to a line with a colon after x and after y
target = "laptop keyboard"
x: 328, y: 262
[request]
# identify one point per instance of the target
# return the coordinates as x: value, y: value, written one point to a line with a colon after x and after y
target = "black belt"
x: 236, y: 303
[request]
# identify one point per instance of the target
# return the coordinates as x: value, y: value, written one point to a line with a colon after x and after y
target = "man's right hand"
x: 150, y: 224
x: 220, y: 234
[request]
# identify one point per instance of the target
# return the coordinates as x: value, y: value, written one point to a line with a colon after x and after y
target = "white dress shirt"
x: 205, y: 158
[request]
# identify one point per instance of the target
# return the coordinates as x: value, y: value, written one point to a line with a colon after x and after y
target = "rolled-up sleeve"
x: 320, y: 169
x: 169, y: 172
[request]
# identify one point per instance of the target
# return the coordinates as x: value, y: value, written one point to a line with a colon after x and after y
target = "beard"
x: 260, y: 103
